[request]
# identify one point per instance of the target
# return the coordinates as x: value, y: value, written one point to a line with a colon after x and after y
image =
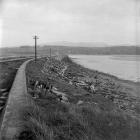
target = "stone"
x: 80, y: 102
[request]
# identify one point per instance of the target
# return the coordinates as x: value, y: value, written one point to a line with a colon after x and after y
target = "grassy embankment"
x: 106, y: 114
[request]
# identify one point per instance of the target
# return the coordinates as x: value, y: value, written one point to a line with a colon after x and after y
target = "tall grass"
x: 52, y: 120
x: 33, y: 125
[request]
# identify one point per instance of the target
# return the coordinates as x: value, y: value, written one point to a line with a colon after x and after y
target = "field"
x: 63, y: 108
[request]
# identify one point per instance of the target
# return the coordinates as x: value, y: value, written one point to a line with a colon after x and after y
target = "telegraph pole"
x: 35, y: 38
x: 50, y: 53
x: 50, y: 57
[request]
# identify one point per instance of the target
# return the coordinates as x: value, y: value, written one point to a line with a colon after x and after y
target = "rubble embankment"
x: 72, y: 79
x: 124, y: 94
x: 73, y: 102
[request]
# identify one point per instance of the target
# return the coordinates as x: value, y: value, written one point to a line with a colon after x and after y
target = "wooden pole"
x: 35, y: 38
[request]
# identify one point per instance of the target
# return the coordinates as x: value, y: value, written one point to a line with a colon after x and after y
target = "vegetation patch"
x: 86, y: 113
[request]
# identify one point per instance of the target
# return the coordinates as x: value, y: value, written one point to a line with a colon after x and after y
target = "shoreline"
x: 106, y: 74
x: 130, y: 87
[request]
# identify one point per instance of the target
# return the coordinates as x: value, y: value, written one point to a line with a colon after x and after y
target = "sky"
x: 113, y: 22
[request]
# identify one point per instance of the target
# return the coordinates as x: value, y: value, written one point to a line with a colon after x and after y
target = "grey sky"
x: 107, y: 21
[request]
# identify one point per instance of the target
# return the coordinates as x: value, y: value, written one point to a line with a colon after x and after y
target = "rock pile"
x: 39, y: 89
x: 54, y: 66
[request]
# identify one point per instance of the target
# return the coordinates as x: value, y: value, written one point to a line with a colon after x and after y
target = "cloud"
x: 0, y: 32
x: 110, y: 21
x: 1, y: 5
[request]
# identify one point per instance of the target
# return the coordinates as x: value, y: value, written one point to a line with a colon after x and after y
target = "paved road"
x: 10, y: 60
x: 16, y: 101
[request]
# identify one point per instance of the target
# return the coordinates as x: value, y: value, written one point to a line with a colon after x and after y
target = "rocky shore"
x: 126, y: 95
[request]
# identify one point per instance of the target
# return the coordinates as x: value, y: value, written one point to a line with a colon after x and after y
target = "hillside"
x: 120, y: 50
x: 43, y: 50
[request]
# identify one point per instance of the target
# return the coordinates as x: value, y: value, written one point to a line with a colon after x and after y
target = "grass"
x: 51, y: 120
x: 97, y: 118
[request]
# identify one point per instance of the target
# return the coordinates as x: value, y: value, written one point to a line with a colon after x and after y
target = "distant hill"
x: 78, y: 44
x: 59, y: 49
x: 118, y: 50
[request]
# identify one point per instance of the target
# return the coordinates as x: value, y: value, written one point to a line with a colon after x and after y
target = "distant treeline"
x: 44, y: 50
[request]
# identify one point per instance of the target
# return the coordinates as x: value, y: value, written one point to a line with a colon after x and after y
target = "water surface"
x: 123, y: 66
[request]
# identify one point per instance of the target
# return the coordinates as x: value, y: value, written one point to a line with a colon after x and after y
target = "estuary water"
x: 123, y: 66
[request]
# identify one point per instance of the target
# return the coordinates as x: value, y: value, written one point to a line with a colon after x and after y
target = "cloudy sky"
x: 107, y: 21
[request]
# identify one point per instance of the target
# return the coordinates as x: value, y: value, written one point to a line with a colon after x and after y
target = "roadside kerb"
x: 18, y: 98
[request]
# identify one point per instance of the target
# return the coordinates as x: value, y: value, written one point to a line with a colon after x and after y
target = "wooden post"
x: 35, y: 38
